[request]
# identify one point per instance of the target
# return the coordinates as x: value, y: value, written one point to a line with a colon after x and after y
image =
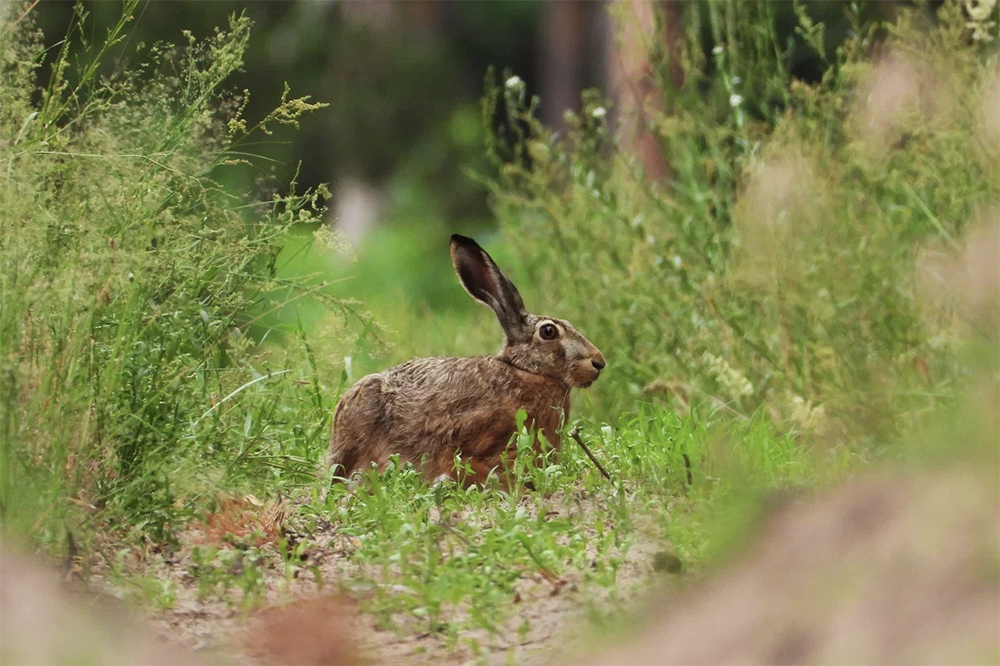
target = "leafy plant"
x: 775, y: 268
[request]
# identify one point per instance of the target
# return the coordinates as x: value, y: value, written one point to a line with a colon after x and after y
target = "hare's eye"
x: 548, y: 332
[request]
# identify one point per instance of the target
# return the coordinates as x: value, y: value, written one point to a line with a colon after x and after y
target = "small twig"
x: 687, y: 466
x: 81, y: 503
x: 575, y: 434
x: 461, y: 536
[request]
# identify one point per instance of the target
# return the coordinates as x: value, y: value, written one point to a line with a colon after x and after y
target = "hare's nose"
x: 598, y: 362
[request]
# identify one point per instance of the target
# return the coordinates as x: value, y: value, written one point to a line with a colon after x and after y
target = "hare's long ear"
x: 486, y: 283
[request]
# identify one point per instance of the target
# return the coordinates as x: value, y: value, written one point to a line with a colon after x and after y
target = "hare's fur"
x: 429, y: 409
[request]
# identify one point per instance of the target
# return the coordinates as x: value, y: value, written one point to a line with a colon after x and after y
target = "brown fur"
x: 429, y: 409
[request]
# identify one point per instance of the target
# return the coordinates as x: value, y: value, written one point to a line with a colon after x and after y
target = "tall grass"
x: 776, y: 269
x: 131, y: 283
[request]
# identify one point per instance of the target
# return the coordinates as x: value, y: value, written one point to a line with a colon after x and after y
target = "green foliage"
x: 131, y: 281
x: 450, y: 559
x: 163, y: 340
x: 396, y: 92
x: 776, y: 266
x: 218, y: 573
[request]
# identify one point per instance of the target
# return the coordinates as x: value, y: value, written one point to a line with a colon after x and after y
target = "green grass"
x: 574, y: 524
x: 446, y: 560
x: 168, y: 344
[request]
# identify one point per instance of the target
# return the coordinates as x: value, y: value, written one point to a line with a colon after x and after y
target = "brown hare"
x: 429, y: 409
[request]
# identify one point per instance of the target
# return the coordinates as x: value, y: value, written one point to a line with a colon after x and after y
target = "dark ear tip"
x: 458, y: 239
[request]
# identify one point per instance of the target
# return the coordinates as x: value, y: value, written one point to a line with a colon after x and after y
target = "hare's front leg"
x: 481, y: 471
x: 474, y: 467
x: 472, y: 471
x: 483, y: 467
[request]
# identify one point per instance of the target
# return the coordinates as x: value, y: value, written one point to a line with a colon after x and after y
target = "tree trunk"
x: 563, y: 51
x: 631, y: 81
x: 424, y: 17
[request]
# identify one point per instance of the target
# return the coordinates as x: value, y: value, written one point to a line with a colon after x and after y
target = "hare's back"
x: 376, y: 400
x: 384, y: 410
x: 429, y: 390
x: 429, y: 377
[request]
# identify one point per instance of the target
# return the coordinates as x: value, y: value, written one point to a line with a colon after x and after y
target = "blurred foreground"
x: 892, y: 568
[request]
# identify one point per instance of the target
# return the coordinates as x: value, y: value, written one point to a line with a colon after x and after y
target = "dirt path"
x: 302, y: 621
x: 891, y: 568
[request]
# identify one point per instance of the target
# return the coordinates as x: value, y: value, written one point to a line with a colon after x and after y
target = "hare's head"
x: 533, y: 343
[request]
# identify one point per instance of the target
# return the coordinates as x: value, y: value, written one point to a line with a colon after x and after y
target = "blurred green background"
x: 401, y: 142
x: 403, y: 80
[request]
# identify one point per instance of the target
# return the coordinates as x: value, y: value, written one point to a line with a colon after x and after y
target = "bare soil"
x: 315, y: 619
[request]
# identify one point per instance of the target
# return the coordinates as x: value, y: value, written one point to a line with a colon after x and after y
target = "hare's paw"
x: 442, y: 479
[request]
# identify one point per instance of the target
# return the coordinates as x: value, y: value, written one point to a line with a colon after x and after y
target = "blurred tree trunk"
x: 424, y: 17
x: 563, y: 52
x: 359, y: 203
x: 631, y: 80
x: 376, y: 14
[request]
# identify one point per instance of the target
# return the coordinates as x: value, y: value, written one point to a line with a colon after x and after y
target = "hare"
x: 429, y: 409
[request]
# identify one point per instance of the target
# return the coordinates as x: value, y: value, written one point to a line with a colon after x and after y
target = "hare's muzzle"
x: 588, y: 370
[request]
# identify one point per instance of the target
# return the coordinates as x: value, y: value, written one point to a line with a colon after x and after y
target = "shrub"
x: 132, y: 283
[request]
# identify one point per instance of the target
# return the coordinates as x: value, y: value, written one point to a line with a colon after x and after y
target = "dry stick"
x: 553, y: 580
x: 451, y: 529
x: 576, y: 435
x: 72, y: 552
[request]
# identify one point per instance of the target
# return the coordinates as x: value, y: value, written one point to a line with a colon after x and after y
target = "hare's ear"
x: 486, y: 283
